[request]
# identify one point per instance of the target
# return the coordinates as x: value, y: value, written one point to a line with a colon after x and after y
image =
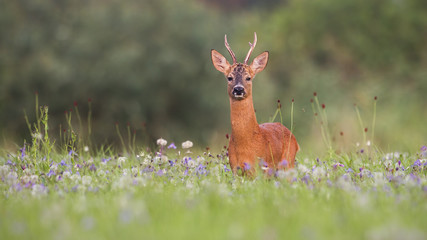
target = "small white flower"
x: 4, y: 170
x: 86, y: 149
x: 187, y: 144
x: 26, y: 171
x: 164, y: 159
x: 34, y: 178
x: 38, y: 190
x: 86, y: 180
x: 25, y: 178
x: 100, y: 173
x: 54, y: 167
x: 76, y: 178
x: 319, y: 172
x: 12, y: 178
x: 191, y: 163
x: 162, y: 142
x: 368, y: 143
x: 38, y: 136
x: 125, y: 172
x: 302, y: 168
x: 121, y: 160
x: 66, y: 174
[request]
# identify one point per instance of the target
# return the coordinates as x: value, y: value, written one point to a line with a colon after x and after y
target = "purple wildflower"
x: 22, y: 151
x: 349, y: 170
x: 417, y: 163
x: 247, y: 166
x: 51, y: 173
x: 74, y: 189
x: 160, y: 173
x: 201, y: 170
x: 283, y: 163
x: 172, y: 145
x: 171, y: 163
x: 92, y: 167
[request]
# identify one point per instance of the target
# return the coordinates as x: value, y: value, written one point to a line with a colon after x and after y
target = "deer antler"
x: 251, y: 49
x: 229, y: 49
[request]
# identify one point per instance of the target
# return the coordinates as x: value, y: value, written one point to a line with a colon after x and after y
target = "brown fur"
x: 251, y: 142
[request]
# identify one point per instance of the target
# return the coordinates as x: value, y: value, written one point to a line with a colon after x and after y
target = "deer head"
x: 239, y: 75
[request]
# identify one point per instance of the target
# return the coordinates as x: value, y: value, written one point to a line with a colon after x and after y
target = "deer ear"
x: 259, y: 63
x: 219, y: 61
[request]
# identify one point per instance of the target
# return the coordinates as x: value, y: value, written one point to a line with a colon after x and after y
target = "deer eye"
x: 248, y: 79
x: 230, y: 79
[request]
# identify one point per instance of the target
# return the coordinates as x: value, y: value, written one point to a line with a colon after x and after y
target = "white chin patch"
x: 239, y: 95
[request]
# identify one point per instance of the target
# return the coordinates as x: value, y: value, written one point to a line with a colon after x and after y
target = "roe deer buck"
x: 271, y: 143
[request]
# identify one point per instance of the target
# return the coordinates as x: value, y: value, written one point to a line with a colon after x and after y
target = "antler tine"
x: 251, y: 49
x: 229, y: 49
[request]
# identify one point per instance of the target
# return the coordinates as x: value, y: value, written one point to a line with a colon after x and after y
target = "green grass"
x: 69, y: 189
x: 317, y: 200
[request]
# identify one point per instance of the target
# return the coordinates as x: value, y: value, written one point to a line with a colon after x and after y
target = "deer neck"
x: 243, y: 120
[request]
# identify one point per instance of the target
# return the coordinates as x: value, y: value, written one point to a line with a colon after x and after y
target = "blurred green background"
x: 147, y: 62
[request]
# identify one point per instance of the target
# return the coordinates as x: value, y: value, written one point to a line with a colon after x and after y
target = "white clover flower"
x: 187, y: 144
x: 66, y: 174
x: 302, y: 168
x: 100, y: 173
x: 147, y: 160
x: 54, y: 167
x: 200, y: 160
x: 319, y: 172
x: 4, y: 170
x: 38, y: 190
x: 164, y: 159
x: 368, y: 143
x: 86, y: 180
x: 26, y: 171
x: 34, y: 178
x: 121, y: 160
x: 25, y: 178
x: 161, y: 142
x: 38, y: 136
x: 191, y: 163
x: 86, y: 149
x: 122, y: 182
x: 12, y: 178
x: 76, y: 178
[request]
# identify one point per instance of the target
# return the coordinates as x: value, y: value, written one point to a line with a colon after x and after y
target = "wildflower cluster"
x: 181, y: 168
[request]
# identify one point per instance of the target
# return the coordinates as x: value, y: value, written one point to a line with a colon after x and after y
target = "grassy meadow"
x: 67, y: 188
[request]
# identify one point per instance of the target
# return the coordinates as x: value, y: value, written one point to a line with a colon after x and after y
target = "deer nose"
x: 238, y: 90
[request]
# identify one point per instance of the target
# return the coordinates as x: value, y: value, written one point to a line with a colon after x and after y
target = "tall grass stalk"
x: 373, y: 120
x: 121, y: 138
x: 359, y: 118
x: 323, y: 122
